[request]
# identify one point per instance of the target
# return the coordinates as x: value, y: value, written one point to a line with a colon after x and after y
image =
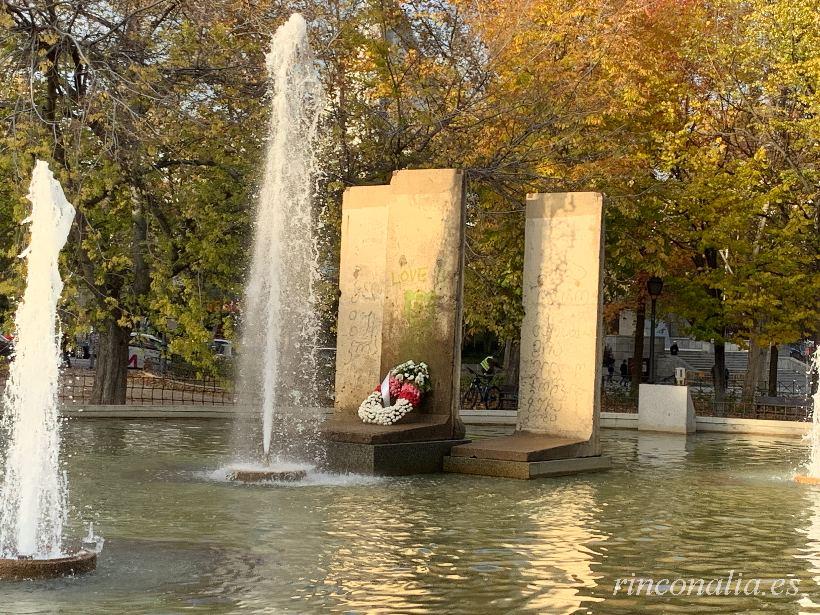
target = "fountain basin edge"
x: 34, y: 569
x: 263, y: 476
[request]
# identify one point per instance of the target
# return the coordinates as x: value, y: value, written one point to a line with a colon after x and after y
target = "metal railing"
x: 145, y: 387
x: 700, y: 381
x: 790, y: 405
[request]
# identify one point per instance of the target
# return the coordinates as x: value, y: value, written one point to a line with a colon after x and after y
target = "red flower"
x: 411, y: 393
x: 395, y: 388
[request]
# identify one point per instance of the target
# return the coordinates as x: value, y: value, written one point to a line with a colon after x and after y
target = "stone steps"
x: 789, y: 369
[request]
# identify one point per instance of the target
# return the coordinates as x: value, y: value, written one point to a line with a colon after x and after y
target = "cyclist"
x: 481, y: 389
x: 489, y: 367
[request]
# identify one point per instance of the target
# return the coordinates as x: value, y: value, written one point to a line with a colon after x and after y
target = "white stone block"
x: 666, y: 408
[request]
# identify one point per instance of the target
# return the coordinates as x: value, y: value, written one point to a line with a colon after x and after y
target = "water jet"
x: 812, y: 475
x: 33, y: 491
x: 277, y: 372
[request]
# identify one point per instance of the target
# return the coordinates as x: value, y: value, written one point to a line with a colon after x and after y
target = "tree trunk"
x: 111, y: 375
x: 512, y: 361
x: 753, y: 369
x: 139, y: 241
x: 637, y: 355
x: 719, y: 371
x: 773, y: 371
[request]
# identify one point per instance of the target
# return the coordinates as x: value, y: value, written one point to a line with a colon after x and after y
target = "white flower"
x: 372, y: 410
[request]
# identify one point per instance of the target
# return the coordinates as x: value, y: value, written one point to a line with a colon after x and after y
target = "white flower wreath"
x: 408, y: 382
x: 372, y: 411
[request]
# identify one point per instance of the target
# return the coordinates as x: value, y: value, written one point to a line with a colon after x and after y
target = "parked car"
x: 802, y: 351
x: 5, y: 346
x: 223, y: 349
x: 143, y: 348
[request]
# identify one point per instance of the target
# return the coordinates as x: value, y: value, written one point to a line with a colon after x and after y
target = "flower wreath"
x: 406, y: 384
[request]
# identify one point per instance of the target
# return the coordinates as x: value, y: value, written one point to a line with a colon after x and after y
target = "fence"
x: 703, y: 382
x: 782, y: 408
x: 180, y: 386
x: 147, y: 388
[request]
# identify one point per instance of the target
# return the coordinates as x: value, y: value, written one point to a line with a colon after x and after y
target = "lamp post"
x: 654, y: 286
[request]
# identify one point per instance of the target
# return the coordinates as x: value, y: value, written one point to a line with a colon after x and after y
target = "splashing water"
x: 813, y: 469
x: 278, y: 363
x: 32, y: 503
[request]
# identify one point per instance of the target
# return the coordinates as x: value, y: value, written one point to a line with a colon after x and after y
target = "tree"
x: 143, y: 111
x: 742, y: 174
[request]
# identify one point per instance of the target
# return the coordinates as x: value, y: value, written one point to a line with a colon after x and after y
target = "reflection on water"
x: 179, y: 540
x: 811, y: 552
x: 559, y: 549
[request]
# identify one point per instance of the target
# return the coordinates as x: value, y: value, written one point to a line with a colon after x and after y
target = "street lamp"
x: 654, y: 286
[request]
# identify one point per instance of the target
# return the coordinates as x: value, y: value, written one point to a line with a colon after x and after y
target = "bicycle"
x: 481, y: 391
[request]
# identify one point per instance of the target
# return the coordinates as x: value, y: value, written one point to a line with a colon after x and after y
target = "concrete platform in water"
x: 264, y: 476
x: 21, y: 569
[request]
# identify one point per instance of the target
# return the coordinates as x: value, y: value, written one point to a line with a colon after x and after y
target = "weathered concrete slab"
x: 667, y: 408
x: 401, y: 279
x: 525, y: 470
x: 561, y: 345
x: 423, y: 298
x: 401, y: 459
x: 520, y: 446
x: 362, y: 286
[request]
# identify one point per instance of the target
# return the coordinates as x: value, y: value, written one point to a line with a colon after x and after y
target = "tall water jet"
x: 33, y: 497
x: 812, y: 475
x: 280, y: 326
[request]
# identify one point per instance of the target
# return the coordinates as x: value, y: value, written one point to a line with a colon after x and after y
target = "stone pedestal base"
x: 528, y: 446
x: 415, y: 427
x: 399, y: 459
x: 527, y: 455
x: 666, y: 408
x: 525, y: 469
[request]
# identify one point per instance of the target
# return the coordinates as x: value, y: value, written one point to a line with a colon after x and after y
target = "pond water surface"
x: 178, y: 541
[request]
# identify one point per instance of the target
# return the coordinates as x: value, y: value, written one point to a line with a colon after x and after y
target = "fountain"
x: 277, y: 362
x: 33, y: 497
x: 812, y: 475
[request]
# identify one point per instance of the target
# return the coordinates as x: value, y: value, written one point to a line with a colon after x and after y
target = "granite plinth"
x: 413, y: 428
x: 525, y: 470
x: 31, y: 569
x: 526, y: 446
x: 526, y: 455
x: 397, y: 459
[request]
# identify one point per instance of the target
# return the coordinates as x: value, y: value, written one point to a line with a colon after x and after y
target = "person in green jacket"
x: 489, y: 366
